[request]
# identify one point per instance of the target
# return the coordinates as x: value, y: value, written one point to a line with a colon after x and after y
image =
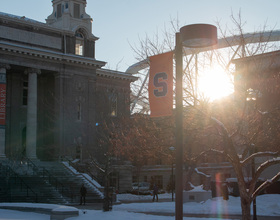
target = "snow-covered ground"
x: 267, y: 205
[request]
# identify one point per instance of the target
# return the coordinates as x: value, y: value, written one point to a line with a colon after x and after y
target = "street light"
x: 253, y: 150
x: 193, y: 36
x: 172, y: 173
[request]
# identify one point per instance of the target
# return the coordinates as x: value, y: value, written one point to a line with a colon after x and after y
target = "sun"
x: 214, y: 83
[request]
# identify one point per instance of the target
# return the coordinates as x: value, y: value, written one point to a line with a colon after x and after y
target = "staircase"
x: 13, y: 187
x: 43, y: 182
x: 73, y: 182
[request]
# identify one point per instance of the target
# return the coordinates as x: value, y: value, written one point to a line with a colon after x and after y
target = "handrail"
x: 79, y: 169
x: 9, y: 169
x: 56, y: 182
x: 97, y: 186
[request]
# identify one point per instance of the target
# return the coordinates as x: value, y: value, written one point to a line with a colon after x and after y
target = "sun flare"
x: 214, y: 83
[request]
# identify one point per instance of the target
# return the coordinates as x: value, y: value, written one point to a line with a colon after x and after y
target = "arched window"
x: 79, y: 47
x: 59, y: 11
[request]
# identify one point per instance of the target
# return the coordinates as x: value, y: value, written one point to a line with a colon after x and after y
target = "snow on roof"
x: 201, y: 173
x: 22, y: 18
x: 197, y: 189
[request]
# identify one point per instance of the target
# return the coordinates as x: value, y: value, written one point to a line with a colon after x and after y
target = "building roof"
x: 116, y: 75
x: 22, y: 18
x: 258, y: 56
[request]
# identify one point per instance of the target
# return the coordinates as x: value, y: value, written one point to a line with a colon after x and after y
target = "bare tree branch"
x: 265, y: 185
x: 264, y: 166
x: 259, y: 154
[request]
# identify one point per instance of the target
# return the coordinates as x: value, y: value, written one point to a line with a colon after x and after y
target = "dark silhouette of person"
x: 83, y: 192
x: 225, y: 191
x: 155, y: 192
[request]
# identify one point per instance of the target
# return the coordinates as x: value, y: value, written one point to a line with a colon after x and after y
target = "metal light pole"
x: 172, y: 173
x: 253, y: 149
x: 194, y: 36
x: 254, y: 201
x: 179, y: 129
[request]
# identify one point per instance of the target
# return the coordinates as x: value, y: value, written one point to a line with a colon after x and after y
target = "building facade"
x: 53, y: 90
x: 257, y: 82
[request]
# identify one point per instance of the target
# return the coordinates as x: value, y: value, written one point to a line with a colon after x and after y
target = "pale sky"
x: 120, y: 22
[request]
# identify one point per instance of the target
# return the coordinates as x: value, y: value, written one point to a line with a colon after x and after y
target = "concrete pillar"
x: 31, y: 125
x: 59, y: 115
x: 3, y: 82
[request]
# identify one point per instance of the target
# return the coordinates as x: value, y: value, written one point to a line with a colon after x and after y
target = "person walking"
x: 155, y: 192
x: 225, y: 191
x: 83, y: 192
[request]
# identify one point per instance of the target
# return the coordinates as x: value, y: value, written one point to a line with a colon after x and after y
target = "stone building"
x: 54, y: 91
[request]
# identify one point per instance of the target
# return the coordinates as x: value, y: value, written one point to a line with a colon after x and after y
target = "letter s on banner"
x: 161, y: 85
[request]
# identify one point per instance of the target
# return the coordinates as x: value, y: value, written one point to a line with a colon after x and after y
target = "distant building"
x: 53, y: 90
x: 257, y: 78
x: 257, y: 81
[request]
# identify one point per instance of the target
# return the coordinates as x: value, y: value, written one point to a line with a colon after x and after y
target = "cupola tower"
x: 70, y: 15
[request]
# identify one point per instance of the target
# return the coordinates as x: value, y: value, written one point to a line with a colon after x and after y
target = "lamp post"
x: 253, y: 149
x: 172, y: 173
x: 193, y: 36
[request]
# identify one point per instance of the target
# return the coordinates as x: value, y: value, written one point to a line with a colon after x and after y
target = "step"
x: 46, y: 191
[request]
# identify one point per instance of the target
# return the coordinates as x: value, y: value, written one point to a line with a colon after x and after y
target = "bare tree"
x: 240, y: 127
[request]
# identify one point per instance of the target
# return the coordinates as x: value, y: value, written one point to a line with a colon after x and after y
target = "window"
x: 79, y: 112
x: 23, y: 142
x: 76, y: 10
x: 114, y: 104
x: 24, y: 92
x: 59, y: 14
x: 78, y: 152
x: 79, y: 48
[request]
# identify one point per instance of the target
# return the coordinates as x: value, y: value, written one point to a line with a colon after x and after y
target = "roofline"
x: 115, y: 74
x: 51, y: 55
x: 27, y: 21
x: 262, y: 55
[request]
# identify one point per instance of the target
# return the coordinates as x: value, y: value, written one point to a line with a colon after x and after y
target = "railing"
x: 87, y: 170
x: 9, y: 172
x: 59, y: 186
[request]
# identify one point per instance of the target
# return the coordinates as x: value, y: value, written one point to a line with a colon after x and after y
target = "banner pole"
x: 179, y: 129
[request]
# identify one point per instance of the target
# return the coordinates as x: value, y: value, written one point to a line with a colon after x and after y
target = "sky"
x: 121, y: 23
x: 267, y: 205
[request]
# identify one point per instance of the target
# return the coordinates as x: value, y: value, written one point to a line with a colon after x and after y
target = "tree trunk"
x: 246, y: 208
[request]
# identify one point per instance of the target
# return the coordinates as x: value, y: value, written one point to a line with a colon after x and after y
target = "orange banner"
x: 161, y: 85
